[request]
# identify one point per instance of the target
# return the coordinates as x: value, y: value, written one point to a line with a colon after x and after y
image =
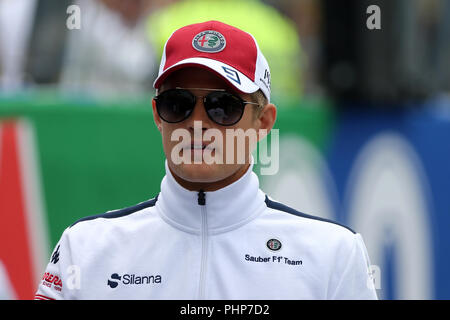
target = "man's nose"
x: 199, y: 114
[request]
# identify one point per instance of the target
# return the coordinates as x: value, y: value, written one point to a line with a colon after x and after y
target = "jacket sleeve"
x: 60, y: 276
x: 355, y: 281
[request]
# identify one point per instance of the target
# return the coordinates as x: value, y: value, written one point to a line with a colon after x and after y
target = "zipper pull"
x: 201, y: 198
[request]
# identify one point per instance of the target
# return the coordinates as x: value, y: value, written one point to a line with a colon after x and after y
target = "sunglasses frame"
x: 243, y: 102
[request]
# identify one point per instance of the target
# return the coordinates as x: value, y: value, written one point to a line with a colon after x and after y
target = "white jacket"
x: 233, y: 243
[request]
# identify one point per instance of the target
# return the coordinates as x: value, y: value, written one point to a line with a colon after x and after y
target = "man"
x: 210, y: 233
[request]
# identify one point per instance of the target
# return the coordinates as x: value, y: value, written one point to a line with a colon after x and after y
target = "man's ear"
x: 266, y: 120
x: 156, y: 117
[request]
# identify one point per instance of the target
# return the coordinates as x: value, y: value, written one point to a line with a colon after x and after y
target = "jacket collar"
x: 225, y: 209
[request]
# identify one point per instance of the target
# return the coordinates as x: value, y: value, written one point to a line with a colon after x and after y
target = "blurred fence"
x: 383, y: 173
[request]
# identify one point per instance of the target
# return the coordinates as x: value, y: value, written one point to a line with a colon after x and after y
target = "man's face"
x: 202, y: 172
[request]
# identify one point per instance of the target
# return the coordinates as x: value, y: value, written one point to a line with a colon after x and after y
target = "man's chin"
x: 199, y: 173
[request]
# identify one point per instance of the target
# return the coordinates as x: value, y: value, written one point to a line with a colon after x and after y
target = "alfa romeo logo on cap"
x: 274, y: 244
x: 209, y: 41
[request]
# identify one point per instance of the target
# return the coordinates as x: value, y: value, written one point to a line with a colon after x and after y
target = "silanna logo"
x: 132, y: 279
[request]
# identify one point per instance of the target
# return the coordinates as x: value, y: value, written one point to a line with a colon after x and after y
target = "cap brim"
x: 228, y: 73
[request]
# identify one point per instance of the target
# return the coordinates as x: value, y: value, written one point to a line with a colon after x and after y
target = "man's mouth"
x: 198, y: 146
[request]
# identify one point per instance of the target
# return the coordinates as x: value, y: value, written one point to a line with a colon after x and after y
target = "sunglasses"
x: 222, y: 107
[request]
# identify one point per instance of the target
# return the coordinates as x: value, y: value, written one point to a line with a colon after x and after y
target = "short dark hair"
x: 261, y: 100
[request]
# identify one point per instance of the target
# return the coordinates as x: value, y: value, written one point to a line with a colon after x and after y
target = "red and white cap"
x: 230, y: 52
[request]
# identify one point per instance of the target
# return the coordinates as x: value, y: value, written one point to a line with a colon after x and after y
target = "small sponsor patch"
x: 52, y: 281
x: 209, y: 41
x: 274, y: 244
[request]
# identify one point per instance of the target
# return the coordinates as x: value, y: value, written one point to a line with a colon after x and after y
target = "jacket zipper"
x: 204, y: 233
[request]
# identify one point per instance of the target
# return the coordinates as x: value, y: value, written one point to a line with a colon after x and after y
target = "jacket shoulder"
x: 282, y: 207
x: 120, y: 212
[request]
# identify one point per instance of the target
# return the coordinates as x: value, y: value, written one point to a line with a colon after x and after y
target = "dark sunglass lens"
x: 175, y: 105
x: 224, y: 108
